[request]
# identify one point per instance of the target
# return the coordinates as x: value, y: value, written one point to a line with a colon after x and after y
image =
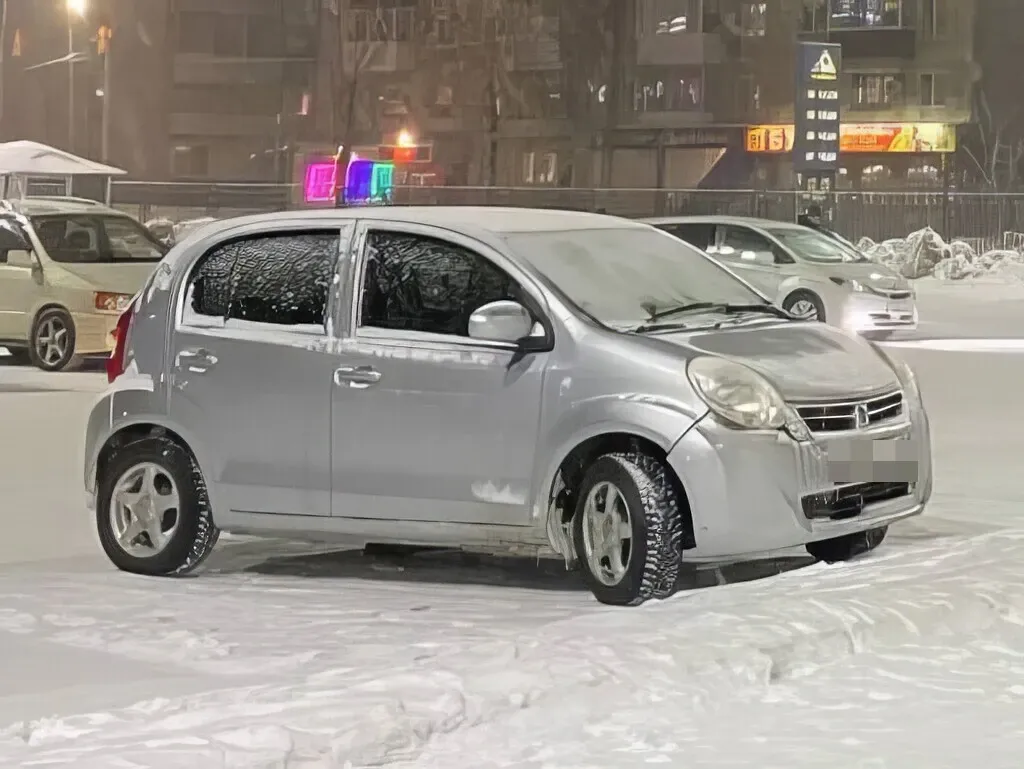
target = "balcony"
x: 204, y: 69
x: 386, y: 56
x: 531, y: 54
x: 668, y: 50
x: 870, y: 29
x: 197, y: 124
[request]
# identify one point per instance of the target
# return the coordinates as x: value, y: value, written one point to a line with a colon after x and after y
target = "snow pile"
x: 924, y: 253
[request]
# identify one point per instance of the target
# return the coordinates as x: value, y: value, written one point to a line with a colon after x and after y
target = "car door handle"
x: 197, y: 360
x: 356, y: 377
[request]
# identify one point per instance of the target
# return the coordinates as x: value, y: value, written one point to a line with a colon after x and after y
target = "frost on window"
x: 278, y: 279
x: 424, y: 284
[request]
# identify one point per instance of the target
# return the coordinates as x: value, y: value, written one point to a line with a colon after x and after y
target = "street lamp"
x: 75, y: 8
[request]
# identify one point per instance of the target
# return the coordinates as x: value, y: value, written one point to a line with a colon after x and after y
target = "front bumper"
x: 864, y: 311
x: 753, y: 494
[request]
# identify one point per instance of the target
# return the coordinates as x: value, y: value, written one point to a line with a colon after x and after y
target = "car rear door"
x: 251, y: 365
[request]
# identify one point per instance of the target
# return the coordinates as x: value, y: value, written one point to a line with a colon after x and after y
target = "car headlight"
x: 738, y: 394
x: 853, y: 285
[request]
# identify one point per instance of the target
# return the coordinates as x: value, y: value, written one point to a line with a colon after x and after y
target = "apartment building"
x: 240, y: 86
x: 657, y: 93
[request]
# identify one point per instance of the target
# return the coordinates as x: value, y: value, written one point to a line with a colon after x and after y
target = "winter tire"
x: 847, y: 547
x: 52, y: 343
x: 628, y: 529
x: 152, y: 512
x: 805, y: 305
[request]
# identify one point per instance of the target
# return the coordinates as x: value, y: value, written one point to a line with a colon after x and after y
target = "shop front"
x: 873, y: 156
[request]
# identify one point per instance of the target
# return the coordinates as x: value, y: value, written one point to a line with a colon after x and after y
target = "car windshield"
x: 816, y: 247
x: 621, y: 277
x: 96, y: 239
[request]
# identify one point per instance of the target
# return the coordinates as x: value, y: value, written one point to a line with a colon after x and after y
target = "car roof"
x: 47, y: 206
x: 748, y: 221
x: 468, y: 219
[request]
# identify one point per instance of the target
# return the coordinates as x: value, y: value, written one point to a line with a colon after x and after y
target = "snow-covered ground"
x: 277, y: 657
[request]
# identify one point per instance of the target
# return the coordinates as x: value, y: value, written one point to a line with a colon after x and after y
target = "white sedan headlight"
x: 738, y: 394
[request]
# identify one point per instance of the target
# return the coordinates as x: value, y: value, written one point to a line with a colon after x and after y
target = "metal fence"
x: 987, y: 220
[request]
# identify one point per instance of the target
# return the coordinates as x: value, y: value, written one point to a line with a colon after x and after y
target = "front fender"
x: 662, y: 421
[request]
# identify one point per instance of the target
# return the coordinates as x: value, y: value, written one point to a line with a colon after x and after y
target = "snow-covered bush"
x: 924, y: 253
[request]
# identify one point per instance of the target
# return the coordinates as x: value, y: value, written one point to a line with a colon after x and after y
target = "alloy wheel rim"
x: 607, y: 533
x: 52, y: 341
x: 144, y: 510
x: 804, y: 309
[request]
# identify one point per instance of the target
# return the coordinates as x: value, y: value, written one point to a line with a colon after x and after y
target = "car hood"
x: 114, y: 277
x: 805, y: 361
x: 868, y: 273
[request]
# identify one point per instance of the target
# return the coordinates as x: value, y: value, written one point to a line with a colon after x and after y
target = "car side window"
x: 425, y: 284
x: 743, y: 245
x: 281, y: 279
x: 699, y: 235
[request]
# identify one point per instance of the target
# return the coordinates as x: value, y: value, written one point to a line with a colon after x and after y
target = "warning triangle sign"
x: 825, y: 68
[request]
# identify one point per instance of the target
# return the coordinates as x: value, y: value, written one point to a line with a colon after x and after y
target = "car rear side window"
x: 280, y: 279
x: 699, y: 235
x: 417, y: 283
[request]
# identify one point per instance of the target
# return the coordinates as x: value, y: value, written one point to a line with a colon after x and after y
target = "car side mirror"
x: 12, y: 239
x: 503, y: 321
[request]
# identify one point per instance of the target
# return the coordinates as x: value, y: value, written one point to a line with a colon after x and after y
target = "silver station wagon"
x: 491, y: 379
x: 809, y: 273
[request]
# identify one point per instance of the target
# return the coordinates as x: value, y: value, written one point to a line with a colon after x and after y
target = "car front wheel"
x: 805, y: 305
x: 849, y: 546
x: 628, y: 529
x: 152, y: 514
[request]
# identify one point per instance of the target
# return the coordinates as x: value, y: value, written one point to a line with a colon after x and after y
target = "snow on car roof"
x: 752, y: 221
x: 496, y: 220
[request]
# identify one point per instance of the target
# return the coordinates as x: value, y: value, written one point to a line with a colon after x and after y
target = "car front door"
x: 252, y: 364
x: 429, y: 424
x: 752, y: 256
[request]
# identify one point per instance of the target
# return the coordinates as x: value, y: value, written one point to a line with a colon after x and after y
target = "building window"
x: 263, y: 37
x: 753, y: 19
x: 814, y: 16
x: 668, y: 89
x: 190, y: 161
x: 871, y: 91
x: 381, y: 25
x: 933, y: 89
x: 228, y: 34
x: 540, y: 168
x: 667, y: 17
x: 866, y: 13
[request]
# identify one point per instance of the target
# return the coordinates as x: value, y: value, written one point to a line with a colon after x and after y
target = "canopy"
x: 25, y: 158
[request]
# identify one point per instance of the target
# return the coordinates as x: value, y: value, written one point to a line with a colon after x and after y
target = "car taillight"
x: 109, y: 302
x: 116, y: 362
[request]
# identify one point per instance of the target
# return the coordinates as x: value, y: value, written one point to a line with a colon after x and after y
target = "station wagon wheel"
x: 628, y: 529
x: 52, y: 343
x: 152, y: 512
x: 805, y: 305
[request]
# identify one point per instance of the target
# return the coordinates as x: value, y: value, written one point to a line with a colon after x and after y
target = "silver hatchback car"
x: 807, y: 272
x: 493, y: 379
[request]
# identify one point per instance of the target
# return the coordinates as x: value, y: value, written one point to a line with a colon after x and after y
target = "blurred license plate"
x: 867, y: 461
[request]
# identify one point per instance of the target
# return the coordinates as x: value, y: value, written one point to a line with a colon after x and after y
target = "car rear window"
x: 96, y: 239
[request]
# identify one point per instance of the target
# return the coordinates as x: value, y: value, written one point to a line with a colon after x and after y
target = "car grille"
x: 835, y: 417
x: 894, y: 293
x: 849, y: 501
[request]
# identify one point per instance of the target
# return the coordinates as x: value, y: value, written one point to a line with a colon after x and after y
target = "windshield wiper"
x: 653, y: 322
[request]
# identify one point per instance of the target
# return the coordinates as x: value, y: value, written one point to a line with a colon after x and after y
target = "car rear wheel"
x: 152, y: 514
x: 628, y: 529
x: 52, y: 345
x: 805, y: 305
x: 849, y: 546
